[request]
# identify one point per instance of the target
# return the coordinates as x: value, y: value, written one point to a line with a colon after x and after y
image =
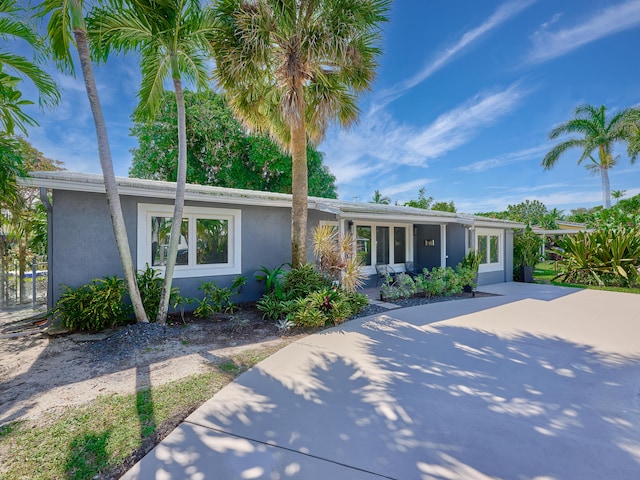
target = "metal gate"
x: 30, y: 287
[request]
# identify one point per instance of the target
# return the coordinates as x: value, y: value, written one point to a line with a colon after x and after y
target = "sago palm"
x: 67, y: 26
x: 291, y: 67
x: 171, y: 36
x: 595, y: 133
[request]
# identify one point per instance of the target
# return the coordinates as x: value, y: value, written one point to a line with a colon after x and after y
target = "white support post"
x: 443, y: 245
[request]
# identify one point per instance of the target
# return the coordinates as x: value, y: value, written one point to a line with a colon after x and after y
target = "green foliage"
x: 527, y: 247
x: 605, y: 257
x: 272, y: 279
x: 219, y: 152
x: 444, y: 206
x: 530, y: 212
x: 403, y: 286
x: 330, y: 306
x: 302, y: 281
x: 150, y: 284
x: 471, y: 261
x: 444, y: 281
x: 217, y: 299
x: 422, y: 201
x: 95, y: 306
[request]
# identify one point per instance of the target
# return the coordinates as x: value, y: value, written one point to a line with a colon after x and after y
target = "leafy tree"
x: 66, y: 27
x: 595, y: 133
x: 219, y: 151
x: 23, y: 217
x: 379, y: 198
x: 291, y: 68
x: 444, y: 206
x: 171, y: 36
x: 422, y: 201
x: 617, y: 194
x: 531, y: 212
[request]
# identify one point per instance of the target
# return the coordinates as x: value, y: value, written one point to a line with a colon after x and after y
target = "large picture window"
x: 209, y: 240
x: 489, y: 245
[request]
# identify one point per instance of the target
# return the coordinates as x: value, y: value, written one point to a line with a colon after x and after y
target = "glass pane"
x: 160, y: 235
x: 399, y: 244
x: 382, y: 245
x: 494, y: 251
x: 482, y: 248
x: 363, y: 235
x: 212, y: 244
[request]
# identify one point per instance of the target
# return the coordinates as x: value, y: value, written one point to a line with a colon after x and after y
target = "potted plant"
x: 526, y: 252
x: 471, y: 264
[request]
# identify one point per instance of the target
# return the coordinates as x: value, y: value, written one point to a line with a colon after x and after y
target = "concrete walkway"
x: 541, y: 382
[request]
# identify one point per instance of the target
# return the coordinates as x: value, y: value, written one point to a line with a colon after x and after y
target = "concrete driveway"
x: 540, y: 382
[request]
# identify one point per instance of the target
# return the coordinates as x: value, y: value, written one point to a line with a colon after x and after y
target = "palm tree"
x: 13, y: 28
x: 172, y: 37
x: 618, y: 194
x: 379, y: 198
x: 290, y: 68
x: 66, y: 25
x: 595, y: 134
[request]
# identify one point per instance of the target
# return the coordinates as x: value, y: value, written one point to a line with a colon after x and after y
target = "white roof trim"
x: 91, y: 182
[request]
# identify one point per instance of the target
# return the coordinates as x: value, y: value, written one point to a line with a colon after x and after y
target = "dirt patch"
x: 41, y: 373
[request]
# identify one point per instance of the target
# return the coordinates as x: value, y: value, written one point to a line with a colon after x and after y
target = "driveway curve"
x: 538, y: 382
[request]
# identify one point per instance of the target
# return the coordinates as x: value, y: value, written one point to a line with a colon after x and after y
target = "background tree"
x: 379, y: 198
x: 595, y: 133
x: 66, y: 27
x: 219, y: 151
x: 292, y: 67
x: 617, y: 194
x: 422, y: 201
x: 530, y: 212
x: 444, y: 206
x: 171, y: 36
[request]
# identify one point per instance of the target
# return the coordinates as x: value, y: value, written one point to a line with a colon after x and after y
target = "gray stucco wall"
x: 427, y: 257
x: 84, y: 245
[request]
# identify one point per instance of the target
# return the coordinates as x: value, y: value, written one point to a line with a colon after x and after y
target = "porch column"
x: 443, y: 245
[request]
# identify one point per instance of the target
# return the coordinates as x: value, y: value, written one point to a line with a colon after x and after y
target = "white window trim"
x: 398, y: 267
x: 232, y: 267
x: 491, y: 267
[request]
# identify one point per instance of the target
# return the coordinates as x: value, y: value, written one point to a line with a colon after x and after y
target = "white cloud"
x: 548, y: 45
x: 413, y: 185
x: 507, y: 159
x: 501, y: 15
x: 459, y: 125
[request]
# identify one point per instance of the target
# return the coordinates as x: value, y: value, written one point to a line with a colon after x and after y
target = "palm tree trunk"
x: 178, y: 208
x: 606, y: 188
x: 299, y: 188
x: 113, y: 198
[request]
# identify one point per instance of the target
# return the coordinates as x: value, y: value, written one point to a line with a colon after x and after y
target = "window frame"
x: 371, y: 269
x: 192, y: 269
x: 491, y: 232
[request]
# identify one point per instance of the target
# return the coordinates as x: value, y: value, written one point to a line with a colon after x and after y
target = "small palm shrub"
x: 217, y: 299
x: 337, y: 258
x: 607, y: 256
x: 93, y: 307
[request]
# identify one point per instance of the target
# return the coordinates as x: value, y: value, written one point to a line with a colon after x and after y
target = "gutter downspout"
x: 44, y: 198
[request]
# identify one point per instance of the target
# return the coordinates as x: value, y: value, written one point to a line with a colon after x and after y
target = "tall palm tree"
x: 595, y: 133
x: 379, y: 198
x: 290, y: 67
x: 67, y: 26
x: 172, y: 37
x: 12, y: 27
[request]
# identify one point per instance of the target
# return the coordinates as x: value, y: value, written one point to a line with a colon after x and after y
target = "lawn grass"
x: 544, y: 272
x: 103, y: 437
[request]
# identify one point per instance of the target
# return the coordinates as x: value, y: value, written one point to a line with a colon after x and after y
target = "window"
x: 209, y: 240
x: 489, y: 246
x: 382, y: 244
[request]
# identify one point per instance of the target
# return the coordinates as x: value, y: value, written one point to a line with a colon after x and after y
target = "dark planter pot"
x: 526, y: 273
x: 467, y: 289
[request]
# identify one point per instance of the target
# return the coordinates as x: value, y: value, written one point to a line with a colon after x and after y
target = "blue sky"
x: 465, y: 96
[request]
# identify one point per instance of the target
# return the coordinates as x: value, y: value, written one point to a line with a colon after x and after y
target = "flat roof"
x: 91, y: 182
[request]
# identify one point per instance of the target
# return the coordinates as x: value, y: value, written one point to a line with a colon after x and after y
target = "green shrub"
x: 444, y: 281
x: 217, y: 299
x: 403, y: 286
x: 607, y: 256
x: 301, y: 281
x: 150, y: 284
x: 275, y: 308
x: 272, y: 279
x: 93, y: 307
x: 527, y: 247
x: 330, y: 306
